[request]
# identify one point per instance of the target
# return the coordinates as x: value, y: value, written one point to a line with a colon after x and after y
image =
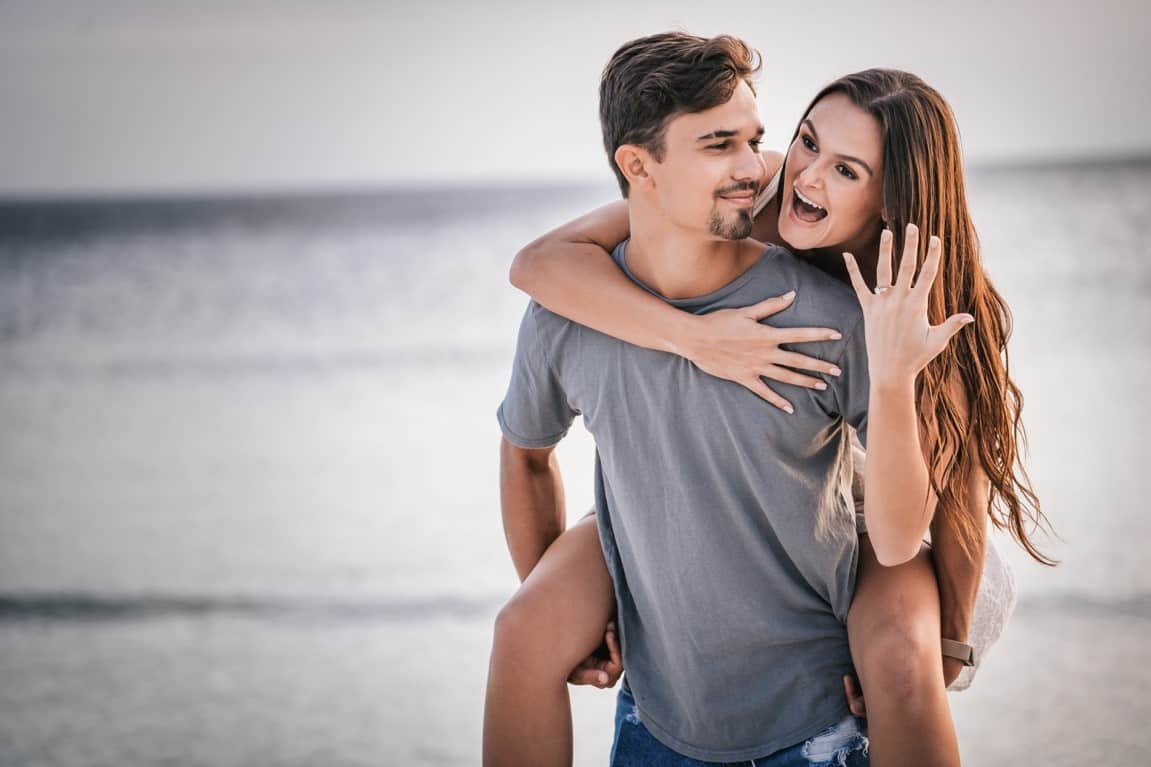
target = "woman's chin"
x: 799, y: 237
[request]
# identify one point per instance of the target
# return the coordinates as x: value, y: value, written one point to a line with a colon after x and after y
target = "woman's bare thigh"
x: 568, y: 597
x: 907, y: 594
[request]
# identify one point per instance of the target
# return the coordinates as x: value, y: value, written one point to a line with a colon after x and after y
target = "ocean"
x: 248, y: 473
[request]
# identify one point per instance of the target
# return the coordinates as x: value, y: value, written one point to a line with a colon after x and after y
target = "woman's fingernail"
x: 603, y: 678
x: 835, y: 371
x: 788, y: 294
x: 820, y: 385
x: 834, y: 336
x: 788, y: 409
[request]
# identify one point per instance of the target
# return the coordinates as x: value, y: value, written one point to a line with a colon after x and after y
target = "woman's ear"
x: 632, y: 163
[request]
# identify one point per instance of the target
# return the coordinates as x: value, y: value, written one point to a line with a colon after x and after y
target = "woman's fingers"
x: 802, y: 335
x: 857, y: 282
x: 756, y: 386
x: 942, y: 333
x: 908, y: 263
x: 770, y: 306
x: 883, y: 265
x: 803, y: 362
x: 783, y: 375
x: 930, y: 268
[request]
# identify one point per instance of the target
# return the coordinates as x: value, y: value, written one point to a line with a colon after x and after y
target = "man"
x: 724, y: 522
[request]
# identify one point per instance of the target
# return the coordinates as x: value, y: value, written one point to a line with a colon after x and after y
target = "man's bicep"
x: 533, y: 458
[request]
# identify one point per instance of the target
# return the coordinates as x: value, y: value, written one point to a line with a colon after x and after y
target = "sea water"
x: 248, y: 473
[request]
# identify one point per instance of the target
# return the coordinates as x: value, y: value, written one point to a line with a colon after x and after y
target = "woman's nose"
x: 810, y: 176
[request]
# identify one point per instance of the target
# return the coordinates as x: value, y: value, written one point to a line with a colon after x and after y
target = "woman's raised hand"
x: 732, y: 344
x: 900, y: 338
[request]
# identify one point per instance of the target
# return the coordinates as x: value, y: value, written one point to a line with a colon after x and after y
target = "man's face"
x: 712, y: 169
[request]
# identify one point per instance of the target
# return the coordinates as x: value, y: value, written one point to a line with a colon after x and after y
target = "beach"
x: 248, y: 473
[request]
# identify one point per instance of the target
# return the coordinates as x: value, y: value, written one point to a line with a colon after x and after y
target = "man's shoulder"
x: 818, y: 294
x: 544, y: 328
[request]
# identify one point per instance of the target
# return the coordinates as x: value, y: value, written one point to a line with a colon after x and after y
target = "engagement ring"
x: 881, y: 289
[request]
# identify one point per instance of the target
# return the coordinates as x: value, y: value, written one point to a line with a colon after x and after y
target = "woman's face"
x: 831, y: 197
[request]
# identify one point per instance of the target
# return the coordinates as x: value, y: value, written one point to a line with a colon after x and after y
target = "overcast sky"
x: 124, y: 96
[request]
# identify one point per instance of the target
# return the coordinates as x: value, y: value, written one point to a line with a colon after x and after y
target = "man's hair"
x: 651, y: 80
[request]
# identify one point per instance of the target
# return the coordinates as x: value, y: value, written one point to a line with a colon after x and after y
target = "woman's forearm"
x: 571, y: 272
x: 898, y: 502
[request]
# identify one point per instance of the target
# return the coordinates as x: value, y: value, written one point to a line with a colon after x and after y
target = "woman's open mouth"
x: 806, y: 210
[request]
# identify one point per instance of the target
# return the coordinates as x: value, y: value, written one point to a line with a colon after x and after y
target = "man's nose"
x: 751, y: 167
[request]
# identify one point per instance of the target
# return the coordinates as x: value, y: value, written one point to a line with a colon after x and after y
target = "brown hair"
x: 923, y: 184
x: 653, y: 79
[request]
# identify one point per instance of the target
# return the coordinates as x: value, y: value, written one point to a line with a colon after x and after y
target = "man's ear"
x: 633, y: 162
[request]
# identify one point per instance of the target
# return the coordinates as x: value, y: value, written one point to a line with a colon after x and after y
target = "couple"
x: 724, y: 540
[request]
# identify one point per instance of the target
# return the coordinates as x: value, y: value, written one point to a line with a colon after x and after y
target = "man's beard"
x: 736, y: 228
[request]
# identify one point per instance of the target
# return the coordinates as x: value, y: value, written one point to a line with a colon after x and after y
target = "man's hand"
x: 951, y: 670
x: 854, y: 694
x: 603, y: 667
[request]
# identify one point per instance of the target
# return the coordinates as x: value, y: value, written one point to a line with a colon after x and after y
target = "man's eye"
x: 846, y: 171
x: 808, y: 143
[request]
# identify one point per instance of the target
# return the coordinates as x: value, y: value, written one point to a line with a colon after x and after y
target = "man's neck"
x: 678, y: 263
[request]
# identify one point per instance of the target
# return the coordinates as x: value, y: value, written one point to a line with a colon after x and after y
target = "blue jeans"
x: 841, y: 745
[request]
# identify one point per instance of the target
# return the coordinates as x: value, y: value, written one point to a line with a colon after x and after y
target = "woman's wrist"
x: 684, y: 336
x: 892, y: 386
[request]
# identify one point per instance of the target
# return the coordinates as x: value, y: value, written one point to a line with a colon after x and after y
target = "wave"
x: 275, y: 364
x: 81, y: 607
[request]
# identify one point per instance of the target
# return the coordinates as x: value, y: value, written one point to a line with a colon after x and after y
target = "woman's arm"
x: 899, y: 502
x: 570, y: 271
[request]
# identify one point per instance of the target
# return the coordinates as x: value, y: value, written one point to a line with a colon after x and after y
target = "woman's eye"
x: 724, y: 145
x: 808, y: 143
x: 845, y: 171
x: 755, y: 143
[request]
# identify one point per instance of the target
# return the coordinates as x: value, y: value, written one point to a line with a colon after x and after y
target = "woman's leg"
x: 893, y: 627
x: 554, y: 621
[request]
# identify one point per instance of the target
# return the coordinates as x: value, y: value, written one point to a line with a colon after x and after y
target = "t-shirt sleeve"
x: 852, y: 387
x: 535, y: 411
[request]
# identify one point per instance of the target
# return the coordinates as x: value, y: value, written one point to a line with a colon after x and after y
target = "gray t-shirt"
x: 726, y: 523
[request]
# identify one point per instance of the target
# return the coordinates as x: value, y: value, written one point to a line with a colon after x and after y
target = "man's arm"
x: 532, y: 502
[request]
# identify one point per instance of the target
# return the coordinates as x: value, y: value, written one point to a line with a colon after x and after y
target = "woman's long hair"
x: 923, y: 184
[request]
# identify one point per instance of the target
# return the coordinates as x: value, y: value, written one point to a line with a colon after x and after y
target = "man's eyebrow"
x: 847, y: 157
x: 728, y: 134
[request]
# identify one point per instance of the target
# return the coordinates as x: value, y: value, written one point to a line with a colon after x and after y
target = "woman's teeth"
x: 806, y: 210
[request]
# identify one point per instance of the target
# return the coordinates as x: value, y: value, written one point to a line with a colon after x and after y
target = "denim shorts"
x: 843, y: 744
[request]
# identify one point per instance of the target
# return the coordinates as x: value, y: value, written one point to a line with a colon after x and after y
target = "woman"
x: 874, y: 161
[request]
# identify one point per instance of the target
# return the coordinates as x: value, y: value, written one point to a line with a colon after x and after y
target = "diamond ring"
x: 881, y: 289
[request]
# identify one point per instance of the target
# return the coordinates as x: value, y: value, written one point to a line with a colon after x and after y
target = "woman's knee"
x: 521, y: 620
x: 902, y: 653
x: 529, y: 633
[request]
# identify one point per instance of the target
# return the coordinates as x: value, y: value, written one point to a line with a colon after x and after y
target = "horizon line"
x: 303, y: 189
